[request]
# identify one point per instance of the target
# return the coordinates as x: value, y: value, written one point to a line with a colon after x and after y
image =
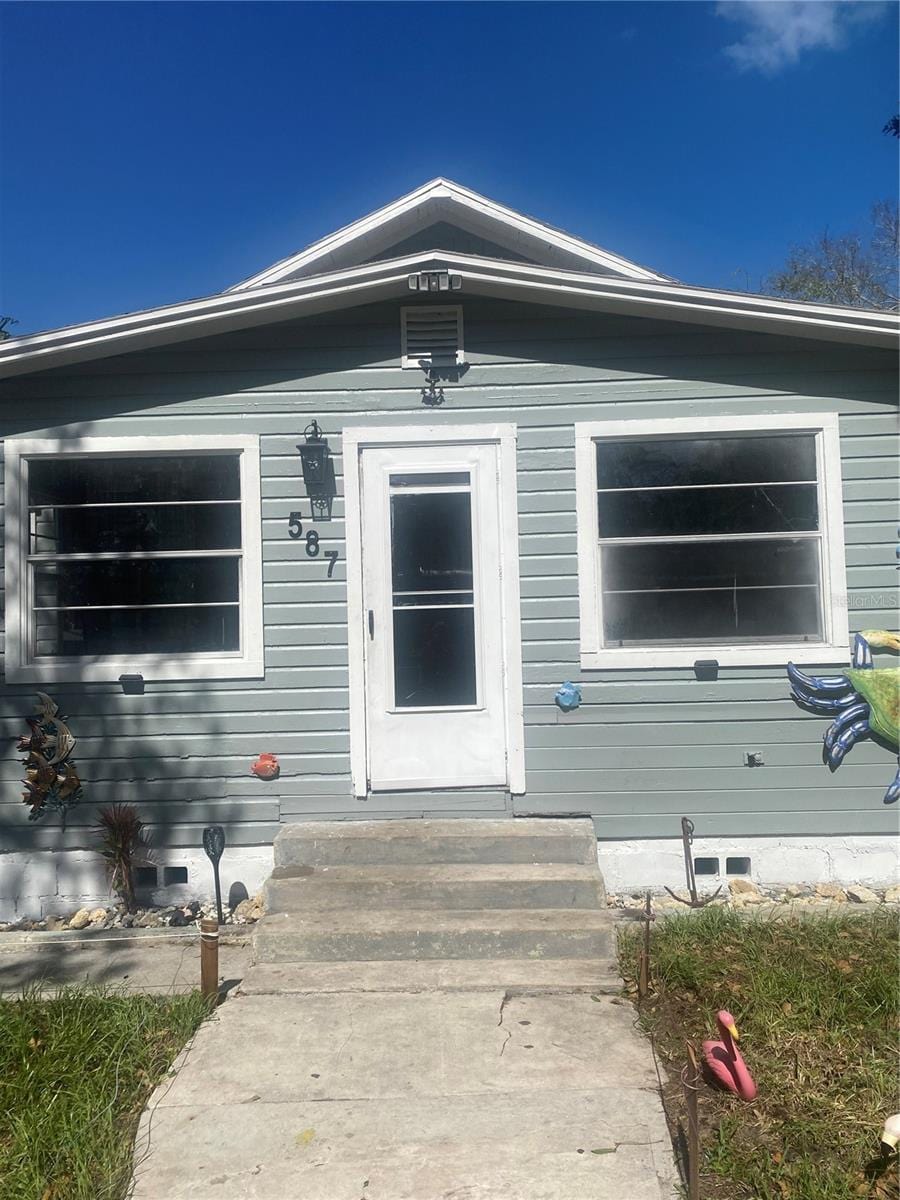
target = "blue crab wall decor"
x: 864, y: 703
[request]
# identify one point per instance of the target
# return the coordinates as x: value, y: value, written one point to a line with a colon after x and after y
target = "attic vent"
x: 431, y: 336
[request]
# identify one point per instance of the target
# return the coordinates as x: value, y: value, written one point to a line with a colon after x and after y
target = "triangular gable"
x: 473, y: 223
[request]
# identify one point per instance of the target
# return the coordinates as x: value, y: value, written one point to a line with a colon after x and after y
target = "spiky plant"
x: 123, y: 843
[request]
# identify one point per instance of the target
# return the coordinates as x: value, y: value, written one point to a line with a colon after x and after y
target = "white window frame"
x: 246, y: 663
x: 835, y: 646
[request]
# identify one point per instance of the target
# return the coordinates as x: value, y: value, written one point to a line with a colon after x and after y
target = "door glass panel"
x: 431, y: 542
x: 434, y: 657
x: 433, y: 601
x: 425, y: 479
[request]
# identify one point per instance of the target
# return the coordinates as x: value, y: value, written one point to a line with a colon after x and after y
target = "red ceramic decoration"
x: 266, y: 767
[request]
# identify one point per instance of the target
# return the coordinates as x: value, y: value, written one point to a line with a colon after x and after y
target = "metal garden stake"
x: 644, y: 956
x: 214, y: 845
x: 687, y: 838
x: 690, y: 1082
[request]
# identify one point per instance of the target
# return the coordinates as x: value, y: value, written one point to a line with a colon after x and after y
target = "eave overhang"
x: 441, y: 199
x: 481, y: 276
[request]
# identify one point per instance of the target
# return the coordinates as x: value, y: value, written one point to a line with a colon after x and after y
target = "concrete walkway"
x: 433, y: 1095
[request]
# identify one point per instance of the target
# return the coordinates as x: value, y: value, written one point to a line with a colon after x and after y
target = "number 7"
x: 332, y: 556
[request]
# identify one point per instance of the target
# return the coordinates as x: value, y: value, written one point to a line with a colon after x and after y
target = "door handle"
x: 371, y: 623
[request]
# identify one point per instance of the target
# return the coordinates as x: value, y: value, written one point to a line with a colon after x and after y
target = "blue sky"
x: 155, y: 152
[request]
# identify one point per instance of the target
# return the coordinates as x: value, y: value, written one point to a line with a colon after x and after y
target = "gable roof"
x: 443, y: 201
x: 305, y: 284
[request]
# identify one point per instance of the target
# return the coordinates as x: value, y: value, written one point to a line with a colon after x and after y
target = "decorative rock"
x: 250, y: 909
x: 862, y: 895
x: 179, y: 918
x: 127, y: 920
x: 831, y: 891
x: 81, y: 920
x: 55, y: 923
x: 149, y: 920
x: 795, y: 889
x: 892, y: 895
x: 743, y: 887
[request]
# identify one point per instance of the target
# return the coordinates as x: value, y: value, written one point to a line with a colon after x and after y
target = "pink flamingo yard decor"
x: 723, y: 1059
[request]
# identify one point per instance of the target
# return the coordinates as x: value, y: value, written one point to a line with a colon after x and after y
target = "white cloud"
x: 777, y: 32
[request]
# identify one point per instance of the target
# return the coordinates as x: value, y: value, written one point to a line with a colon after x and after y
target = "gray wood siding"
x: 644, y: 748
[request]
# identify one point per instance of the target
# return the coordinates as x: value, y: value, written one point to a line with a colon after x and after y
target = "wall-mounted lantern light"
x: 318, y: 471
x: 313, y: 456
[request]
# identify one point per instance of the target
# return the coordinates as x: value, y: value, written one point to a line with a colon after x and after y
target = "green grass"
x: 816, y: 1004
x: 75, y: 1071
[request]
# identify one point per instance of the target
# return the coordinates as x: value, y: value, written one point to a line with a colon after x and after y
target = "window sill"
x: 108, y: 670
x: 773, y: 655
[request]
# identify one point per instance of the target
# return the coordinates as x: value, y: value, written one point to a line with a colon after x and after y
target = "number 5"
x: 295, y: 526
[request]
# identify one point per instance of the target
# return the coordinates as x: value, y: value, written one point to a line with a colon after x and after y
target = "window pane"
x: 657, y: 567
x: 125, y: 479
x: 782, y: 508
x: 138, y: 528
x: 137, y: 582
x: 673, y: 461
x: 133, y: 631
x: 434, y: 657
x: 431, y: 542
x: 711, y: 592
x: 664, y: 618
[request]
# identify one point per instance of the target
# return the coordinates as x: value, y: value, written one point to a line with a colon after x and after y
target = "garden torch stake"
x: 214, y: 845
x: 209, y: 958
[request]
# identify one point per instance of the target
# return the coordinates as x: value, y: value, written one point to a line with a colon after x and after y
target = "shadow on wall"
x: 164, y: 750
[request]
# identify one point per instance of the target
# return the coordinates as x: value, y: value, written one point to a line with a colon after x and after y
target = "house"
x: 370, y: 509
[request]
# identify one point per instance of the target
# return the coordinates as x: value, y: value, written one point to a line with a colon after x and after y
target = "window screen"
x: 134, y: 555
x: 709, y: 539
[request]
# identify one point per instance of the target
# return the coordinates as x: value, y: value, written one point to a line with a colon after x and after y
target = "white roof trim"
x: 481, y: 276
x: 504, y: 219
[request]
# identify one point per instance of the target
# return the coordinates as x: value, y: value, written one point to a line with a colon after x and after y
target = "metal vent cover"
x: 431, y: 336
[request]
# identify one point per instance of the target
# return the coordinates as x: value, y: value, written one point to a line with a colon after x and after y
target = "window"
x: 710, y: 539
x: 133, y: 555
x: 431, y: 337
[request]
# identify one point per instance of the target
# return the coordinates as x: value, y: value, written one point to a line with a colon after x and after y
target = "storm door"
x: 432, y: 602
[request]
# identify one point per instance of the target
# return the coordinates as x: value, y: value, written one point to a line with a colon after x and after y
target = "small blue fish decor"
x: 568, y: 696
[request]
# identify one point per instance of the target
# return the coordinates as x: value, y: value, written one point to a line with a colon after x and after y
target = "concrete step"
x: 379, y: 935
x: 515, y: 976
x: 419, y: 843
x: 444, y: 886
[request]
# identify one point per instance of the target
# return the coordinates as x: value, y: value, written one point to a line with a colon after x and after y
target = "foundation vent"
x: 706, y: 866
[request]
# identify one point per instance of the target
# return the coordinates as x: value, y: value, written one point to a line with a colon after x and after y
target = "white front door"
x: 433, y: 610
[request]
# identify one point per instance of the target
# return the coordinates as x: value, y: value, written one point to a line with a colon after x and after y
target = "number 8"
x: 312, y: 543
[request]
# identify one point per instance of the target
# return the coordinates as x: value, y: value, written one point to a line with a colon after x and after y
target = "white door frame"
x: 355, y: 440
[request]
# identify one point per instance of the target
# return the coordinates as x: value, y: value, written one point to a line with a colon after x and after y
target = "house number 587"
x: 295, y: 531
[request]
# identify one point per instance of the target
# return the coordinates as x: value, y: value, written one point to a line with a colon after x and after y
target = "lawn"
x: 75, y: 1071
x: 816, y: 1004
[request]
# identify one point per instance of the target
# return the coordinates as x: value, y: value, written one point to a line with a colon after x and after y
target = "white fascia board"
x: 445, y: 189
x: 494, y: 277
